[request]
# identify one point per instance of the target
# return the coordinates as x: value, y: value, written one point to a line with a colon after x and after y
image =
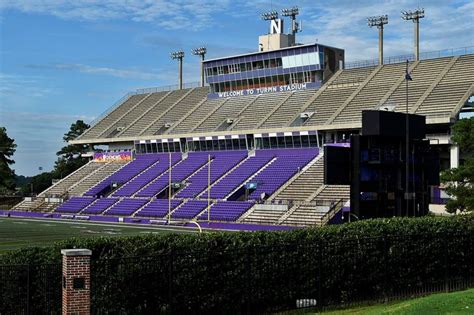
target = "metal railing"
x: 410, y: 57
x: 30, y: 289
x: 165, y: 88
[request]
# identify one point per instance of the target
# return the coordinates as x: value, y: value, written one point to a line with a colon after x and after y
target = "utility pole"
x: 208, y: 188
x: 200, y: 51
x: 179, y: 55
x: 415, y: 16
x: 379, y: 21
x: 407, y: 143
x: 169, y: 189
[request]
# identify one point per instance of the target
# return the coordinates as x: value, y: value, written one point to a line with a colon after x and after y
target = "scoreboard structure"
x: 376, y: 167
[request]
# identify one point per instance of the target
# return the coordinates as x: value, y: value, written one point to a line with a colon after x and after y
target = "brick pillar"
x: 76, y: 281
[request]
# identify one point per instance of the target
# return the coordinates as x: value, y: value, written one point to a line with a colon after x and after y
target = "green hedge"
x: 265, y: 271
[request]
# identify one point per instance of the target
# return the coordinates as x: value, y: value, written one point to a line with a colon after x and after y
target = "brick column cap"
x: 76, y: 252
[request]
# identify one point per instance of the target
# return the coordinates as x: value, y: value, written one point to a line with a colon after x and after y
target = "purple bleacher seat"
x: 126, y: 206
x: 189, y: 210
x: 239, y: 175
x: 221, y: 164
x: 75, y: 204
x: 180, y: 172
x: 126, y: 173
x: 227, y: 210
x: 147, y: 176
x: 100, y: 206
x: 287, y: 164
x: 158, y: 208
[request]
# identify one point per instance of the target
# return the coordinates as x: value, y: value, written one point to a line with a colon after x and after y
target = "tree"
x: 460, y: 181
x: 69, y: 157
x: 37, y: 183
x: 7, y: 149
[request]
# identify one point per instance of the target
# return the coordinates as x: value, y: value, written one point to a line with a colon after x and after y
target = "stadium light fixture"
x: 415, y: 16
x: 179, y: 55
x: 268, y: 16
x: 200, y: 51
x: 292, y: 13
x: 379, y: 22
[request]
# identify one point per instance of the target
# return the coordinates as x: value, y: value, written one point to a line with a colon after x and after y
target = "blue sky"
x: 66, y: 60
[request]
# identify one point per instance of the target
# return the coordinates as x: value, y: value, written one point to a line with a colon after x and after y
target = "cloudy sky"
x: 64, y: 60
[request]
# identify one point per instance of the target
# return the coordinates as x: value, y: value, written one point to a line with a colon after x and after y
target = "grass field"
x: 461, y: 303
x: 16, y: 232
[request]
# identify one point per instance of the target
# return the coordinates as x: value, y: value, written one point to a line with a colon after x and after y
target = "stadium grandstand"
x: 246, y: 147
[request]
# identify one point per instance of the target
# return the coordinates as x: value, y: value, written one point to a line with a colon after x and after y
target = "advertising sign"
x: 112, y: 156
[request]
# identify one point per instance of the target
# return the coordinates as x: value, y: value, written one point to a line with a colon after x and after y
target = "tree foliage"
x: 224, y: 273
x: 69, y: 157
x: 69, y: 160
x: 460, y: 181
x: 7, y: 149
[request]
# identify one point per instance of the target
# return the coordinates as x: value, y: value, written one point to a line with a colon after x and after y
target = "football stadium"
x: 245, y: 147
x: 266, y: 142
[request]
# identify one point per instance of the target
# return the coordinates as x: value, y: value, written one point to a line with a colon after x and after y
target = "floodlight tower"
x: 200, y: 51
x: 179, y: 55
x: 415, y: 16
x: 269, y: 16
x: 379, y: 21
x: 292, y: 13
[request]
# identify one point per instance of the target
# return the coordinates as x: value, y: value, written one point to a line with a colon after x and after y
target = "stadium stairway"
x: 154, y: 171
x: 106, y: 122
x: 147, y: 117
x: 451, y: 90
x: 299, y: 188
x: 96, y: 177
x: 336, y: 91
x: 357, y: 92
x: 253, y: 114
x: 173, y: 114
x: 229, y: 110
x: 68, y: 186
x: 204, y: 193
x: 143, y: 107
x: 290, y: 107
x: 198, y: 116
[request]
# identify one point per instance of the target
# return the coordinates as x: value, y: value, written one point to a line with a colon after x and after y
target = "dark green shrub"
x: 265, y: 271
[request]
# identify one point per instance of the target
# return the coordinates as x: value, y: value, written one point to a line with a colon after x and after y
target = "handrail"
x: 402, y: 58
x: 164, y: 88
x: 328, y: 215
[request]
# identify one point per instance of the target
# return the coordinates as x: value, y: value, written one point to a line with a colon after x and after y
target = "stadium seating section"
x: 437, y: 88
x: 140, y: 188
x: 264, y: 186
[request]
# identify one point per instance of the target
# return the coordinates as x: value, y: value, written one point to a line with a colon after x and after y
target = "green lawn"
x: 461, y: 303
x: 17, y: 232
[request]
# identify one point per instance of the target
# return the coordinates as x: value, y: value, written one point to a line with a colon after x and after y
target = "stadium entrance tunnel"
x: 241, y: 194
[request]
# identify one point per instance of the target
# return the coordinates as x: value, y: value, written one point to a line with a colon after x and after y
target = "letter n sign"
x: 276, y: 26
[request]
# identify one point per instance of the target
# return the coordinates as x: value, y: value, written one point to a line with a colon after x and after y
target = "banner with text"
x: 265, y: 90
x: 112, y: 156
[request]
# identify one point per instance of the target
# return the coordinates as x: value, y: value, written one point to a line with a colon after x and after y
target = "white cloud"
x: 43, y: 117
x: 190, y: 14
x: 102, y: 70
x: 11, y: 84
